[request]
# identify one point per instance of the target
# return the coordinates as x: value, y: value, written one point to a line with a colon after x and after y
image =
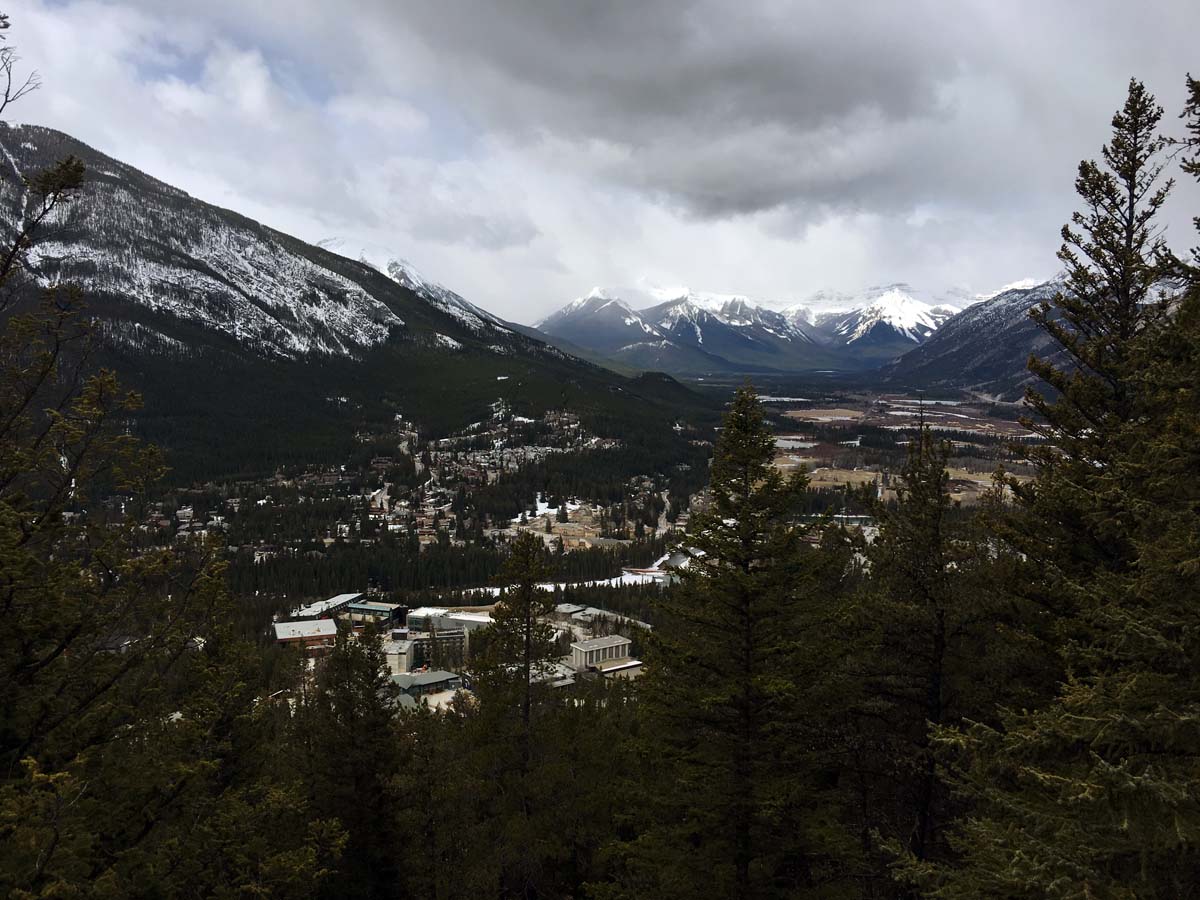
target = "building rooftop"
x: 420, y: 679
x: 567, y: 609
x: 310, y: 628
x: 484, y: 618
x: 617, y: 665
x: 611, y: 640
x: 323, y: 606
x: 423, y: 611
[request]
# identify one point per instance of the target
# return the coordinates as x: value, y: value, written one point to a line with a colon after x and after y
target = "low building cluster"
x: 427, y: 650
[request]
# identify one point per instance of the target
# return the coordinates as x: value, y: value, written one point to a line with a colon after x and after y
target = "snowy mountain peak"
x: 406, y: 275
x: 894, y: 307
x: 592, y: 302
x: 799, y: 314
x: 1022, y: 284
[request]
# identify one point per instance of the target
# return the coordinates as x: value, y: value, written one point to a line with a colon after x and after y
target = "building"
x: 591, y: 653
x: 315, y: 637
x: 437, y: 618
x: 555, y: 675
x: 620, y: 668
x: 383, y: 614
x: 436, y: 690
x: 419, y: 684
x: 325, y: 609
x: 444, y: 647
x: 400, y: 653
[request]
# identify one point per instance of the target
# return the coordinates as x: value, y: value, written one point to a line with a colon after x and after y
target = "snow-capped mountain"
x: 692, y: 331
x: 985, y: 347
x: 157, y: 262
x: 1022, y: 284
x: 478, y: 320
x: 688, y: 331
x: 892, y: 322
x: 600, y: 322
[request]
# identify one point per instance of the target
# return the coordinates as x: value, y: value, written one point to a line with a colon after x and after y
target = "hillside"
x: 983, y: 349
x: 253, y: 348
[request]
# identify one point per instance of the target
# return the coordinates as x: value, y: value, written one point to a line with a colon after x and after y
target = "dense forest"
x: 1000, y: 704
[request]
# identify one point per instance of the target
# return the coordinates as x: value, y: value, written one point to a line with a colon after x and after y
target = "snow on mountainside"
x: 155, y: 262
x: 895, y: 309
x: 124, y: 236
x: 405, y: 274
x: 1022, y: 284
x: 600, y: 322
x: 254, y: 350
x: 735, y: 333
x: 688, y: 331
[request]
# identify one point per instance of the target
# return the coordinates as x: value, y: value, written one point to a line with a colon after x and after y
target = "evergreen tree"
x: 1113, y: 254
x: 510, y: 729
x: 132, y: 758
x: 932, y: 639
x: 731, y: 779
x: 344, y: 729
x: 1094, y: 794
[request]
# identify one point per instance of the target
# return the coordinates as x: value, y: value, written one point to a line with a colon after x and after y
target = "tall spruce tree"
x: 1114, y: 255
x: 1094, y: 794
x: 729, y: 754
x: 509, y: 732
x: 347, y: 751
x: 930, y: 640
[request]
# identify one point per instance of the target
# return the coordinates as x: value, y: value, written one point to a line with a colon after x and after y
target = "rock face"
x: 154, y: 261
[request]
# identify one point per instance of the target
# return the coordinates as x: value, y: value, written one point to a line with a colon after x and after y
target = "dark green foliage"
x: 994, y: 704
x: 1093, y: 794
x: 127, y: 718
x: 733, y: 779
x: 348, y: 751
x: 1113, y: 256
x: 932, y: 639
x: 134, y: 754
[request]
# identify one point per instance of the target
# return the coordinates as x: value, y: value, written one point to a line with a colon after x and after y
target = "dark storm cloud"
x: 726, y: 109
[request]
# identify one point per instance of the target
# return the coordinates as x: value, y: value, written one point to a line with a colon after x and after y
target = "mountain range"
x: 695, y: 333
x: 253, y: 348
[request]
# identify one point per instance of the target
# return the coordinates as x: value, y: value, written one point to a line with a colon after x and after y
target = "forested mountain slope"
x: 254, y: 348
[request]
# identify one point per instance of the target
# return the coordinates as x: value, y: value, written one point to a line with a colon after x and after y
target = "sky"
x: 522, y: 153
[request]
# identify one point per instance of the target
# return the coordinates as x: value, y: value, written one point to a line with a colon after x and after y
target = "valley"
x: 845, y: 441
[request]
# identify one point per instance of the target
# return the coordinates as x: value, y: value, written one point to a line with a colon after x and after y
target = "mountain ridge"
x: 694, y: 332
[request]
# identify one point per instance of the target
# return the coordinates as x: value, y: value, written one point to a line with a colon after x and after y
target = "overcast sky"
x: 523, y: 152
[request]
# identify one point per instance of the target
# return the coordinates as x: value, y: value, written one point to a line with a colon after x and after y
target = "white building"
x: 592, y: 653
x: 315, y: 637
x: 438, y: 618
